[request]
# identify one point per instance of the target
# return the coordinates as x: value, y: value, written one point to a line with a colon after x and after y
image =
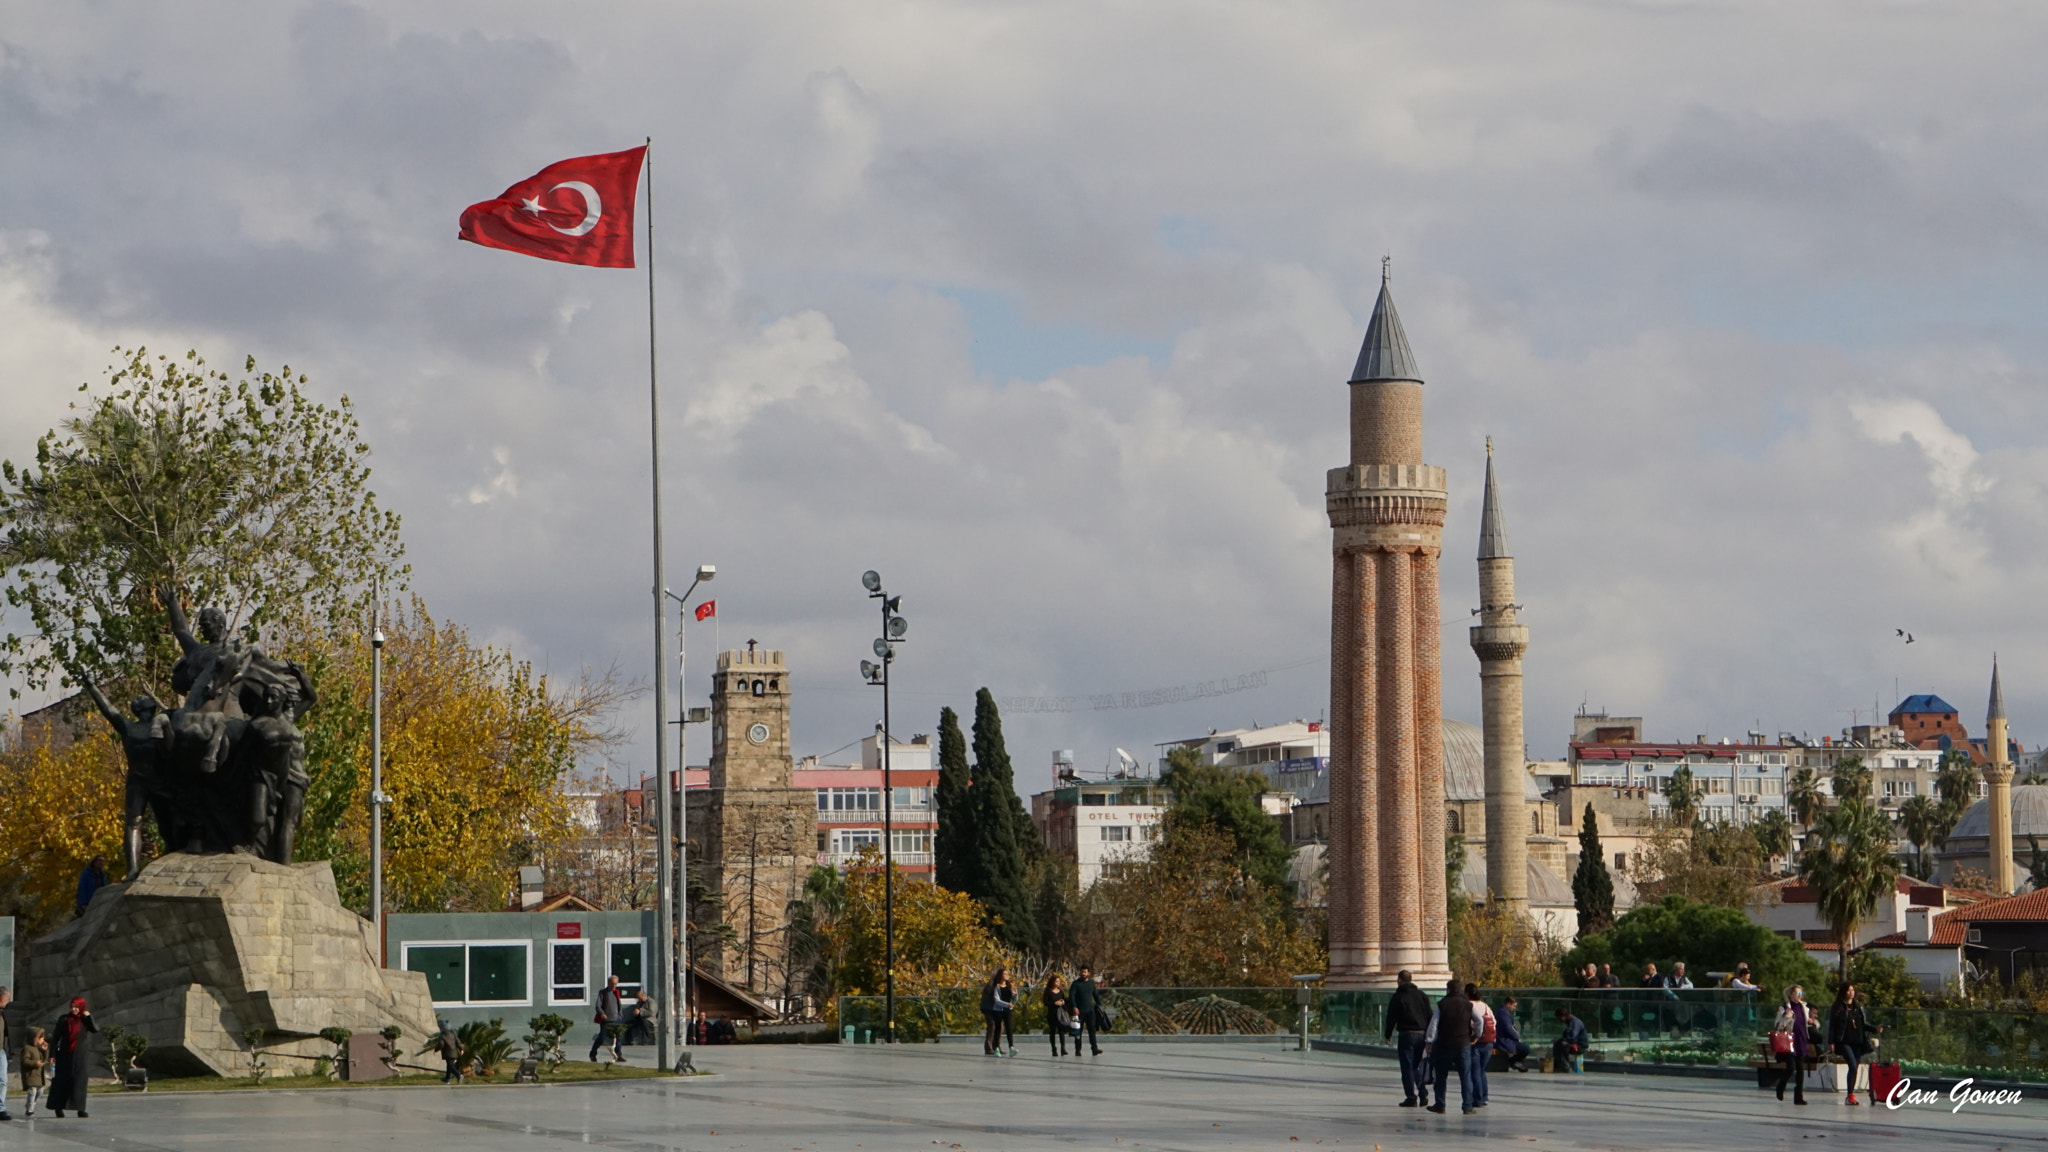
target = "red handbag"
x: 1781, y: 1042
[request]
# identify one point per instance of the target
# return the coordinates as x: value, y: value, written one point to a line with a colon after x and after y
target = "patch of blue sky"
x: 1008, y: 345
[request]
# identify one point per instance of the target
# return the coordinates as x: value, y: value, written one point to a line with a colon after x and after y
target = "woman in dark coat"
x: 70, y: 1051
x: 1057, y: 1015
x: 1850, y: 1032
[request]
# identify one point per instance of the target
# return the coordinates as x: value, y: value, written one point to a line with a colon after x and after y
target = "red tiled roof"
x: 1821, y: 946
x: 1950, y: 928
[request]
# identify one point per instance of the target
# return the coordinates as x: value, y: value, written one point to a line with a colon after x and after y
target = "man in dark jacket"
x: 1655, y: 979
x: 611, y: 1009
x: 449, y: 1046
x: 1571, y: 1041
x: 1408, y: 1014
x: 1086, y: 997
x: 1453, y: 1029
x: 1507, y: 1040
x: 91, y: 880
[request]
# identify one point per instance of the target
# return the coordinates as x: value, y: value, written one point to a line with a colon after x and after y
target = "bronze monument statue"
x: 225, y: 771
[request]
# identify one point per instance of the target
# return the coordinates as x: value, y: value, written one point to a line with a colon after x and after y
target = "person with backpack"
x: 1482, y: 1047
x: 1453, y: 1028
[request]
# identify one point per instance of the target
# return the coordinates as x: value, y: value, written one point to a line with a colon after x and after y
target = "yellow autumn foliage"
x: 478, y: 752
x: 60, y: 805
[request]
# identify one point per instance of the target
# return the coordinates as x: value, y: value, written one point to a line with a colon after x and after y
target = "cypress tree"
x: 953, y: 851
x: 998, y: 819
x: 1592, y: 887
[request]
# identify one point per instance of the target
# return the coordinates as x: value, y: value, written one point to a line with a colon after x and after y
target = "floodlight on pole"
x: 672, y: 885
x: 893, y: 628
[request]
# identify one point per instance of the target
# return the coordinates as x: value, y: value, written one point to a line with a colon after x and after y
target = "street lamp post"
x: 893, y: 628
x: 673, y: 890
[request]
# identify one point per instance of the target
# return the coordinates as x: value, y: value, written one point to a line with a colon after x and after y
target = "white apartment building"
x: 1098, y: 825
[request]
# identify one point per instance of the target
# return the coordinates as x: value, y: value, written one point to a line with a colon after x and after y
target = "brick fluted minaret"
x: 1499, y: 639
x: 1998, y: 775
x: 1386, y: 852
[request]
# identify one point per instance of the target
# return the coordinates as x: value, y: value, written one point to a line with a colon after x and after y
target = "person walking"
x: 700, y: 1029
x: 35, y: 1071
x: 1506, y: 1039
x: 1087, y: 997
x: 449, y: 1045
x: 1453, y: 1028
x: 1408, y: 1014
x: 611, y: 1009
x: 6, y: 1045
x: 991, y: 1034
x: 1849, y: 1033
x: 68, y: 1052
x: 1572, y: 1040
x: 1056, y: 1014
x: 1482, y: 1047
x: 1795, y: 1022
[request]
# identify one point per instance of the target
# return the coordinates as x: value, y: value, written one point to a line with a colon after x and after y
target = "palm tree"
x: 1803, y: 794
x: 1851, y: 778
x: 1849, y: 864
x: 1956, y: 784
x: 1773, y: 833
x: 1683, y: 794
x: 1919, y: 819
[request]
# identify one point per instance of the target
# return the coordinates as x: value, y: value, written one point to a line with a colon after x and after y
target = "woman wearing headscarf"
x: 68, y: 1051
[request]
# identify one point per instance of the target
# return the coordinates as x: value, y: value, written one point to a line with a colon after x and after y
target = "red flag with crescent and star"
x: 707, y: 610
x: 579, y: 211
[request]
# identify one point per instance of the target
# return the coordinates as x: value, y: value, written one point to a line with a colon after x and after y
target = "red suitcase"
x: 1883, y: 1078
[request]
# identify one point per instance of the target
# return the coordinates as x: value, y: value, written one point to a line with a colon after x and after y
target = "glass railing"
x: 1711, y: 1027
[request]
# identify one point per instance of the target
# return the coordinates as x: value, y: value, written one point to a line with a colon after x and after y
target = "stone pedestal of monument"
x: 198, y: 949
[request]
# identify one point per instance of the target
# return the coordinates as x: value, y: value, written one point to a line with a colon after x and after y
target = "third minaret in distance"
x: 1499, y: 639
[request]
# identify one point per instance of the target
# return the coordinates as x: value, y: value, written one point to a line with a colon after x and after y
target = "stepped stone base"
x: 197, y: 949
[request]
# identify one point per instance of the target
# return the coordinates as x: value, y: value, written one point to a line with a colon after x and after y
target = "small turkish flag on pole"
x: 578, y: 211
x: 707, y: 610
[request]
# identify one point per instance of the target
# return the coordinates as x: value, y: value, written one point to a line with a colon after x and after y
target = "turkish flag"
x: 578, y: 211
x: 707, y: 610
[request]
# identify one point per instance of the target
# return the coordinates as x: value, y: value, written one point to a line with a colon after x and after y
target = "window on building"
x: 909, y: 841
x: 1536, y: 821
x: 1095, y: 798
x: 1716, y: 785
x: 1116, y: 832
x: 912, y: 799
x: 443, y: 967
x: 1454, y: 821
x: 1774, y: 787
x: 568, y: 965
x: 850, y: 799
x: 847, y: 841
x: 1621, y: 861
x: 497, y: 973
x: 625, y: 960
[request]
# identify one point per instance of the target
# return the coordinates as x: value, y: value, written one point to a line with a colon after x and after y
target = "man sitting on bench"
x: 1564, y: 1053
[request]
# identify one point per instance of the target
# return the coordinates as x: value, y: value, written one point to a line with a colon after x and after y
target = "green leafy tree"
x: 1055, y: 900
x: 813, y: 918
x: 953, y: 846
x: 243, y: 494
x: 1804, y: 796
x: 1848, y: 863
x: 1227, y: 800
x: 1881, y: 981
x: 1682, y: 793
x: 1707, y: 937
x: 999, y: 827
x: 1592, y: 887
x: 1920, y: 820
x: 1773, y: 831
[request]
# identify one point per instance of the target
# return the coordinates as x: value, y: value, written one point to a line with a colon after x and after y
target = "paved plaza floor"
x: 832, y: 1098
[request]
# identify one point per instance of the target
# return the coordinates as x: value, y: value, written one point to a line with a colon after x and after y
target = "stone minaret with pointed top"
x: 1386, y: 853
x: 1998, y: 775
x: 1499, y: 639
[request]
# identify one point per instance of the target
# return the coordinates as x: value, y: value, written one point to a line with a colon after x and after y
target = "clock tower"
x: 754, y: 835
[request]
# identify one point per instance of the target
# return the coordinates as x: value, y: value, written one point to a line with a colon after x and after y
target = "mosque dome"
x: 2029, y: 813
x: 1465, y: 764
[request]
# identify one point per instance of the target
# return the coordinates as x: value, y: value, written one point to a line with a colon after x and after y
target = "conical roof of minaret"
x: 1386, y: 355
x: 1493, y: 524
x: 1997, y: 709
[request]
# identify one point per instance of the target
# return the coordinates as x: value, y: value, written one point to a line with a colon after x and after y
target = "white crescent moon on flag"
x: 592, y: 208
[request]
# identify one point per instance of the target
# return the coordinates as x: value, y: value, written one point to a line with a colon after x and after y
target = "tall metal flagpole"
x: 377, y: 798
x: 664, y: 878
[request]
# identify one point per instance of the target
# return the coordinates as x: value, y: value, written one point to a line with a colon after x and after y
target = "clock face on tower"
x: 758, y: 734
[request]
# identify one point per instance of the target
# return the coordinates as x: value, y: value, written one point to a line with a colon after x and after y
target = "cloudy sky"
x: 1045, y: 311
